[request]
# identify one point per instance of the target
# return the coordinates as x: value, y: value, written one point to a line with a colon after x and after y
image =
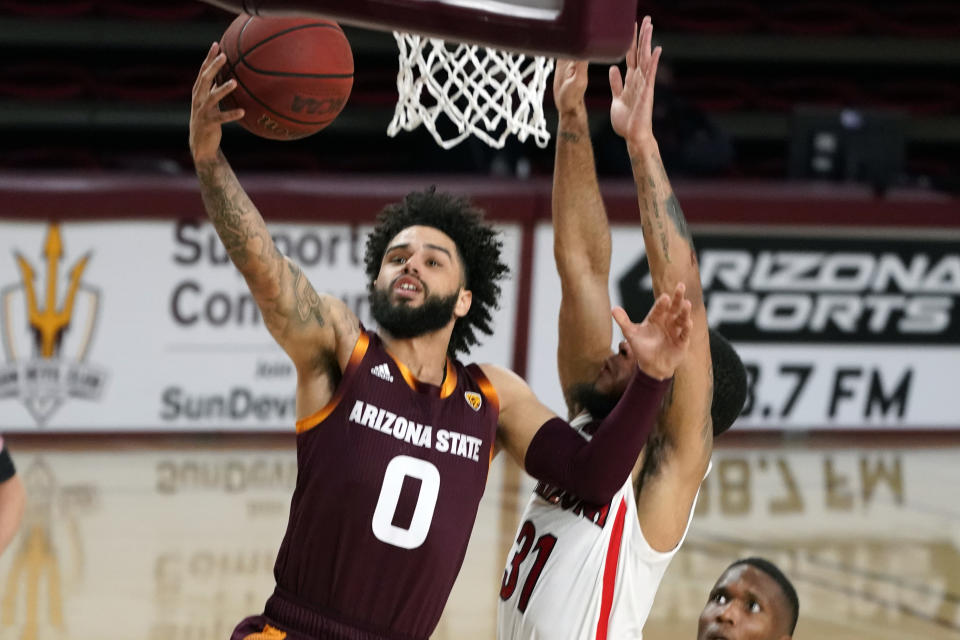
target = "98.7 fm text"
x: 784, y: 391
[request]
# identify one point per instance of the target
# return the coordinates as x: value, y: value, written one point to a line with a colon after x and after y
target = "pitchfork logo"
x: 47, y: 334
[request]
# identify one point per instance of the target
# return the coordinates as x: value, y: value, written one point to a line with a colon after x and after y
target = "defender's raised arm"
x: 688, y: 435
x: 581, y: 238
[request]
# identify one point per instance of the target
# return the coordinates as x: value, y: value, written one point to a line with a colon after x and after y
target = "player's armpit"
x: 551, y: 451
x: 687, y: 424
x: 678, y: 454
x: 666, y: 489
x: 311, y: 327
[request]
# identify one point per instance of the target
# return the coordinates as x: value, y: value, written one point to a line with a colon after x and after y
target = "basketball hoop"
x: 456, y: 90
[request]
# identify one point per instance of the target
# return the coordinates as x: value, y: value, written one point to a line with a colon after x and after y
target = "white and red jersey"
x: 578, y: 571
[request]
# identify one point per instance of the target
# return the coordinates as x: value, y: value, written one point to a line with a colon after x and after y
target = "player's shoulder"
x: 505, y: 382
x: 345, y: 322
x: 510, y: 389
x: 498, y: 374
x: 350, y: 333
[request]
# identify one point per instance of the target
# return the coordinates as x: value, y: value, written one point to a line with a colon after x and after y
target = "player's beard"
x: 597, y: 404
x: 403, y: 321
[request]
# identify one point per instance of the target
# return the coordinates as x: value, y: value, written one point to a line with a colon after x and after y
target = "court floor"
x: 174, y: 538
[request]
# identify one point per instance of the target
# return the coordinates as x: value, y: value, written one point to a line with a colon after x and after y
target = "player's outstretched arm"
x: 553, y: 452
x: 581, y: 237
x: 307, y: 325
x: 672, y: 474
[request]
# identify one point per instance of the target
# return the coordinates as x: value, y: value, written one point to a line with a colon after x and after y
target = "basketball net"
x: 456, y: 90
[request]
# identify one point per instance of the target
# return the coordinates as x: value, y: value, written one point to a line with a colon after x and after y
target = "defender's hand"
x: 660, y: 342
x: 631, y: 112
x: 569, y: 84
x: 206, y: 118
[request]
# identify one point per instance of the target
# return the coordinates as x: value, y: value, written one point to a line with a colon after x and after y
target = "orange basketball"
x: 294, y: 75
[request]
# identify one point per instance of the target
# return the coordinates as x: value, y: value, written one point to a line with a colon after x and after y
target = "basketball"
x: 293, y: 75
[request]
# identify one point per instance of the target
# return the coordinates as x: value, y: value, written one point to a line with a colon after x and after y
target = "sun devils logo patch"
x: 473, y: 399
x: 46, y: 329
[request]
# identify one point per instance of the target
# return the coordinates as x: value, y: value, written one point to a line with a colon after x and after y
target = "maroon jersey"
x: 390, y: 476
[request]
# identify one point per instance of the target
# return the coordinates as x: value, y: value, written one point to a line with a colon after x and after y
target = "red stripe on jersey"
x: 610, y: 571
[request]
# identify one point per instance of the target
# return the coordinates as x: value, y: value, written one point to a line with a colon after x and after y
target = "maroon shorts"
x: 262, y: 628
x: 259, y: 628
x: 282, y: 614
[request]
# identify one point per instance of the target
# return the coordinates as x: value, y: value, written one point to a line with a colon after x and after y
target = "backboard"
x: 599, y: 30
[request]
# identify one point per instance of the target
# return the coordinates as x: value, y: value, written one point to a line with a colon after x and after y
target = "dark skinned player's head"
x: 729, y: 383
x: 752, y: 600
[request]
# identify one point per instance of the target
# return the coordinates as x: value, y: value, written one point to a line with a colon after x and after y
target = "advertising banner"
x: 836, y: 331
x: 149, y: 326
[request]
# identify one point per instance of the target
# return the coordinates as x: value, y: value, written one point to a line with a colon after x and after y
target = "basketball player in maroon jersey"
x: 395, y: 436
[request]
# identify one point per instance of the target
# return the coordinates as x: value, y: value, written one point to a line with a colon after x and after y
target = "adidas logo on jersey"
x: 382, y: 371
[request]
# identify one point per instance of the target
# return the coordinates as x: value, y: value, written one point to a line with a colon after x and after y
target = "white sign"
x: 148, y: 325
x: 835, y: 332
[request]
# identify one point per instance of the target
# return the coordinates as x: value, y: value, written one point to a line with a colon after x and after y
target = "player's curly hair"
x: 478, y: 245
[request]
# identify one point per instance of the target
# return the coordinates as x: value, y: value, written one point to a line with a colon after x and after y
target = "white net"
x: 457, y: 90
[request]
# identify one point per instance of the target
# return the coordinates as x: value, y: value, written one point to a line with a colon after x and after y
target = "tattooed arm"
x: 316, y: 331
x: 581, y: 238
x: 677, y: 457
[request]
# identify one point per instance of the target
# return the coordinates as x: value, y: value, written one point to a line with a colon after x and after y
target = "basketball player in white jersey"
x: 580, y: 570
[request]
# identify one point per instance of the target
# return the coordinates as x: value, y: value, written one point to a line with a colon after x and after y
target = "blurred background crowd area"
x: 837, y: 90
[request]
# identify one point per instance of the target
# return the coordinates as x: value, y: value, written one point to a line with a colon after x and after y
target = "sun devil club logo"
x: 473, y: 399
x: 47, y: 335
